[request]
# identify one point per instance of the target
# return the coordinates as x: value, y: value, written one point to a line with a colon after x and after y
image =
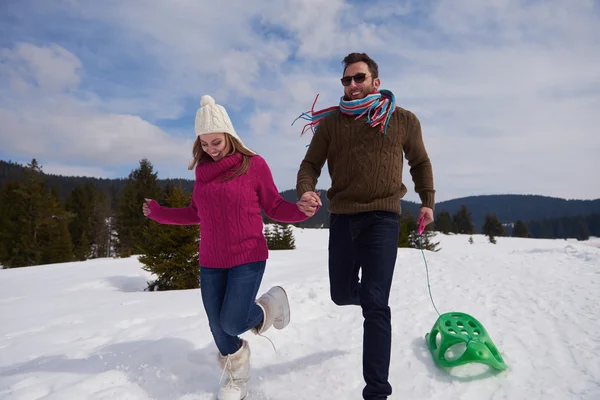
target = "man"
x: 365, y: 160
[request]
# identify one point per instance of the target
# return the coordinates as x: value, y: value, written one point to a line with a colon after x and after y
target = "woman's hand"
x: 308, y: 203
x: 146, y: 207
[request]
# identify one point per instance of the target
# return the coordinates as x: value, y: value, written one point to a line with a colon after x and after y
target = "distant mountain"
x: 508, y: 208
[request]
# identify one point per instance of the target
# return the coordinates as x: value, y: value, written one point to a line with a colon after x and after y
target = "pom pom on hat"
x: 206, y: 100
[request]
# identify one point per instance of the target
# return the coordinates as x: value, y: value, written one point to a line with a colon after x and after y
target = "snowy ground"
x: 89, y: 331
x: 593, y: 241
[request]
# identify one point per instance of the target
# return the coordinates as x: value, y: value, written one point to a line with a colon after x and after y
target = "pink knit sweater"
x: 231, y: 227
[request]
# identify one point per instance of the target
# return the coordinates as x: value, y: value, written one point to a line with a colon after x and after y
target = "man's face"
x: 365, y: 86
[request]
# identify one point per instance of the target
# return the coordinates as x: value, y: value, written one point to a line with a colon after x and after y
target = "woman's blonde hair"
x: 234, y: 145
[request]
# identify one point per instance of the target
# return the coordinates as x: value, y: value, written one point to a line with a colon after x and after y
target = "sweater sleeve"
x: 275, y: 206
x: 418, y: 160
x: 316, y: 155
x: 174, y: 216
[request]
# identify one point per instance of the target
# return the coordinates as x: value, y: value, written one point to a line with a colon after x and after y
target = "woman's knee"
x: 232, y: 326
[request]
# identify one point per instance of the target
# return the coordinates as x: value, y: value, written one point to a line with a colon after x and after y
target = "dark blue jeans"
x: 368, y: 242
x: 228, y: 295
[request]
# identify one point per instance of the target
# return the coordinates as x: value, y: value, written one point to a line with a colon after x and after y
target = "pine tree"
x: 4, y: 228
x: 579, y: 228
x: 408, y: 227
x: 33, y: 218
x: 141, y: 183
x: 288, y: 242
x: 90, y: 227
x: 593, y: 223
x: 268, y: 232
x: 100, y: 226
x: 83, y: 250
x: 13, y: 231
x: 403, y: 237
x: 279, y: 236
x: 463, y: 222
x: 80, y: 202
x: 170, y: 252
x: 36, y: 232
x: 426, y: 241
x: 111, y: 222
x: 492, y: 228
x: 443, y: 223
x: 273, y: 235
x: 57, y: 247
x: 5, y: 224
x: 520, y: 229
x: 54, y: 237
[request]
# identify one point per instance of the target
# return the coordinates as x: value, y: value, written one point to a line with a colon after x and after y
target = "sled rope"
x: 272, y: 344
x: 427, y: 270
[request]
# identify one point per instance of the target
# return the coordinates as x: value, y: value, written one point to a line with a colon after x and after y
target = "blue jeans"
x: 367, y: 241
x: 229, y: 296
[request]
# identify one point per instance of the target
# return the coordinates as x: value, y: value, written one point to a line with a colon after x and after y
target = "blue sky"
x: 507, y: 91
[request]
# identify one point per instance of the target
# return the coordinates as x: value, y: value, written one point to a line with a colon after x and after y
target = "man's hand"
x: 428, y: 213
x: 308, y: 203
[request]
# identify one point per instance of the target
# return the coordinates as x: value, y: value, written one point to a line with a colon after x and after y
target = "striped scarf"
x: 378, y: 107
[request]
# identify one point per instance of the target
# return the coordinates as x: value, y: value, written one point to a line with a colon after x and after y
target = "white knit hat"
x: 213, y: 118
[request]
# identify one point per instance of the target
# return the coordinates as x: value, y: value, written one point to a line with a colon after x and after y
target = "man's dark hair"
x: 358, y: 57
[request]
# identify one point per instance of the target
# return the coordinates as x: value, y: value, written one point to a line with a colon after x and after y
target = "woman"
x: 232, y: 185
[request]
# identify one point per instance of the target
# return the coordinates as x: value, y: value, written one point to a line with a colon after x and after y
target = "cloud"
x: 506, y: 90
x: 52, y: 68
x: 45, y: 120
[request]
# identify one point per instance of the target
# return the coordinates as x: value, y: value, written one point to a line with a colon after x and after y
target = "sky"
x: 507, y: 91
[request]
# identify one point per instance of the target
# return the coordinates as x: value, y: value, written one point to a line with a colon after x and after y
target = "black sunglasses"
x: 358, y: 78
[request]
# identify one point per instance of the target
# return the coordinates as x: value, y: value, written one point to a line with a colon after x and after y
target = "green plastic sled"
x: 456, y: 327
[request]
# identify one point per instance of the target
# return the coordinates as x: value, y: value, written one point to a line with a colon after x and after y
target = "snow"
x: 88, y: 330
x: 593, y: 241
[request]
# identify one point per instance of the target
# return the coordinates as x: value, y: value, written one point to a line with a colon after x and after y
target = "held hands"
x: 308, y: 203
x: 146, y: 207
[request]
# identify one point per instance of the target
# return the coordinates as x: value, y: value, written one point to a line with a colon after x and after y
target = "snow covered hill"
x: 89, y: 330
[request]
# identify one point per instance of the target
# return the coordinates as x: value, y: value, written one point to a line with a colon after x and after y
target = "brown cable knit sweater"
x: 365, y: 165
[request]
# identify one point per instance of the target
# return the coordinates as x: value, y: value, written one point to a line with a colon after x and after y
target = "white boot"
x: 276, y: 310
x: 236, y: 367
